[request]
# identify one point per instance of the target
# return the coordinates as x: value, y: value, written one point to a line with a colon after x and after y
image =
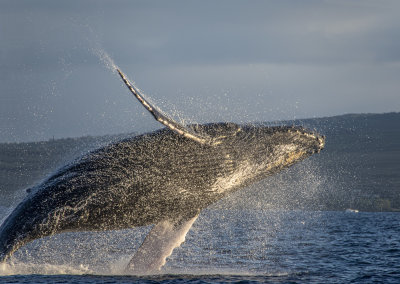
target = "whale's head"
x: 279, y: 140
x: 265, y: 149
x: 271, y: 149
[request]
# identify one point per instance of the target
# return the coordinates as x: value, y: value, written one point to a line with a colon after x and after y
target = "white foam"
x: 46, y: 269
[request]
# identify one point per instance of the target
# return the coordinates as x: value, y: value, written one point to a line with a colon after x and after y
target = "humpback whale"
x: 163, y: 178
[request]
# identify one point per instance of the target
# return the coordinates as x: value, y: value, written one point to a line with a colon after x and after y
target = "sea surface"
x: 247, y: 246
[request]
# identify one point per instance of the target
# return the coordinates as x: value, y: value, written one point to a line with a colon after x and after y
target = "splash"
x: 77, y: 253
x: 110, y: 64
x: 172, y: 112
x: 46, y: 269
x: 106, y: 59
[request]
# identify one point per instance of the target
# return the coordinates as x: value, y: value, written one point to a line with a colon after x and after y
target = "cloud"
x: 255, y: 59
x: 188, y: 32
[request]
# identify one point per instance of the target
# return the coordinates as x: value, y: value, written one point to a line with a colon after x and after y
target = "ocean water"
x: 247, y: 246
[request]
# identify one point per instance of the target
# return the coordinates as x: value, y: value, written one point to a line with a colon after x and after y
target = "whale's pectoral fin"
x: 158, y: 245
x: 163, y: 118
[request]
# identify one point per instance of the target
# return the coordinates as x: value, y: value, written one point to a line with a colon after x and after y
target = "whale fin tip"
x: 163, y: 118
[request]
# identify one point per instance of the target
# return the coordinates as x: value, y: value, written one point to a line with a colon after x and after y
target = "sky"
x: 200, y: 61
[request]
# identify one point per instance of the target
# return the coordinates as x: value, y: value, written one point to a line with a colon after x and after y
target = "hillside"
x: 359, y: 168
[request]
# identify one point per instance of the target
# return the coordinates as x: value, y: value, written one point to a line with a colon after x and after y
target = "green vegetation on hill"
x: 359, y: 168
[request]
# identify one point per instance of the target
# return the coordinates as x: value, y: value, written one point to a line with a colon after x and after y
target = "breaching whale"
x: 163, y: 178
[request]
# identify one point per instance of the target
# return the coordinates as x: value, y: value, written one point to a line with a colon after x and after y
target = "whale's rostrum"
x: 163, y: 178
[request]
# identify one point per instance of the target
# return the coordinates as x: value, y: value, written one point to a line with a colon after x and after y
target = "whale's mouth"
x: 312, y: 140
x: 319, y: 143
x: 321, y: 140
x: 318, y: 140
